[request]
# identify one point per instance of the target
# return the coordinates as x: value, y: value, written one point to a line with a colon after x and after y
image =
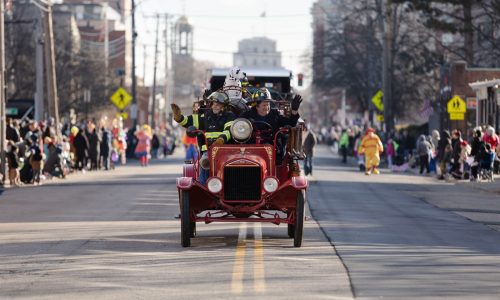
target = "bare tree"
x: 354, y: 53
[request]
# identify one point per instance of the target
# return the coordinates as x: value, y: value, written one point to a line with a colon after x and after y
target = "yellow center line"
x: 239, y: 261
x: 259, y: 283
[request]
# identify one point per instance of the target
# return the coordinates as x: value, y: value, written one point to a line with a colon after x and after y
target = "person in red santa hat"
x: 371, y: 147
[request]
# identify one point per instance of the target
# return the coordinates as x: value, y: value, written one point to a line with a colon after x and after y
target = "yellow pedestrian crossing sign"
x: 457, y: 108
x: 121, y: 98
x: 122, y: 115
x: 457, y: 105
x: 377, y: 100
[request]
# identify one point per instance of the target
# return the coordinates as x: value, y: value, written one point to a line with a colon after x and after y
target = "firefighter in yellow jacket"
x: 371, y: 147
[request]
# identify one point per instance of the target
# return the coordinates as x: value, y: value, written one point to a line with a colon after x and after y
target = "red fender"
x: 300, y: 182
x: 184, y: 183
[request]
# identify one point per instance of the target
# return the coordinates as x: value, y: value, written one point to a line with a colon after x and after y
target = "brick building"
x: 482, y: 107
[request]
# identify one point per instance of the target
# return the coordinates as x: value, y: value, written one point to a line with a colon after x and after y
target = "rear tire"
x: 299, y: 219
x: 185, y: 220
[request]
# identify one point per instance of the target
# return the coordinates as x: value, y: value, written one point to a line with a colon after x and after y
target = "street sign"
x: 11, y: 111
x: 471, y: 103
x: 456, y: 108
x: 122, y: 115
x: 121, y: 98
x: 457, y: 116
x: 457, y: 105
x: 377, y: 100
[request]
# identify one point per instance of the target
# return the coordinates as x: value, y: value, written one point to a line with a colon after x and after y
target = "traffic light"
x: 300, y: 78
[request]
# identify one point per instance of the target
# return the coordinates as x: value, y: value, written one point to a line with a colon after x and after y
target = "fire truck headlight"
x: 214, y: 185
x: 270, y: 184
x: 241, y: 130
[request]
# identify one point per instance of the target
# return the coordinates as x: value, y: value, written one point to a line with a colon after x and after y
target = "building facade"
x: 257, y: 52
x: 479, y: 88
x: 183, y: 64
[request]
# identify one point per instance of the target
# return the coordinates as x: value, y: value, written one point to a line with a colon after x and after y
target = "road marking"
x: 259, y: 283
x: 239, y: 261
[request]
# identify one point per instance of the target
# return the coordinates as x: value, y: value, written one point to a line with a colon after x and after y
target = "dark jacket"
x: 274, y: 119
x: 81, y: 144
x: 309, y: 143
x: 475, y: 146
x: 13, y: 160
x: 105, y: 142
x: 94, y: 139
x: 12, y: 134
x: 455, y: 143
x: 443, y: 143
x: 215, y: 125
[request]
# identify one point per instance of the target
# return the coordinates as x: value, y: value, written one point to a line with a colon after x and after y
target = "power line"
x: 242, y: 17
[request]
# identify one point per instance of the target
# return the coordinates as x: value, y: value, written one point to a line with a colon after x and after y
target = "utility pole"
x: 2, y: 93
x: 133, y: 108
x: 39, y: 95
x: 387, y: 64
x: 50, y: 61
x: 166, y: 88
x: 145, y: 48
x: 106, y: 45
x: 153, y: 93
x: 172, y: 69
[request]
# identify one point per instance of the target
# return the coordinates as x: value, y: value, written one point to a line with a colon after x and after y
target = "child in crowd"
x: 36, y: 160
x: 13, y: 161
x: 464, y: 168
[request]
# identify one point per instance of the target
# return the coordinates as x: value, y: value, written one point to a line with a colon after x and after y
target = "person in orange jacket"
x: 190, y: 144
x: 371, y: 147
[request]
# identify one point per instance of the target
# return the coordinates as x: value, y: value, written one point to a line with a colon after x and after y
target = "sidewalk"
x: 130, y: 168
x: 491, y: 187
x: 476, y: 201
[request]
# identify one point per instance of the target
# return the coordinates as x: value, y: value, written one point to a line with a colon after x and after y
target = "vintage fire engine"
x: 247, y: 182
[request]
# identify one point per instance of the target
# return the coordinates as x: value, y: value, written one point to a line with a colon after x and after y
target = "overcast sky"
x: 220, y: 24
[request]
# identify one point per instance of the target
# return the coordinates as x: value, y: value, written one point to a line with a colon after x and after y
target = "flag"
x: 426, y: 110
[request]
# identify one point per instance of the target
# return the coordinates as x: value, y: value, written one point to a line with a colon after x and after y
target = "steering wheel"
x: 269, y: 127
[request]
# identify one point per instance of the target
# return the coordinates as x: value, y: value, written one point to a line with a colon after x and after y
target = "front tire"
x: 299, y: 219
x: 185, y: 220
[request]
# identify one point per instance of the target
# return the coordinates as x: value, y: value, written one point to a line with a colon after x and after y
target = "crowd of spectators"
x: 443, y: 154
x: 37, y: 151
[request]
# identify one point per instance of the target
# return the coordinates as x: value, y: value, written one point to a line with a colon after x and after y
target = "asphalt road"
x: 113, y: 235
x: 405, y: 236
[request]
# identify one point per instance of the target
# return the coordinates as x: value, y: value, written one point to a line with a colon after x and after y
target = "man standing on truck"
x: 216, y: 123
